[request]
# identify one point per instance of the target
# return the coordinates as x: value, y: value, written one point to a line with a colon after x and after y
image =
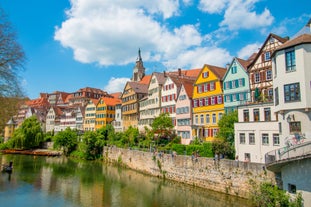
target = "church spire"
x: 139, y: 69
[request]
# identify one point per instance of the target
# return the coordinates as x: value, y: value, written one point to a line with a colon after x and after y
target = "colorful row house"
x: 208, y: 102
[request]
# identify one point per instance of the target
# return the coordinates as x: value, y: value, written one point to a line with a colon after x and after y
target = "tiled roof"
x: 146, y: 79
x: 111, y: 101
x: 188, y: 85
x: 39, y: 102
x: 244, y: 63
x: 116, y: 95
x: 92, y: 90
x: 138, y: 87
x: 160, y: 77
x: 302, y: 39
x: 218, y: 71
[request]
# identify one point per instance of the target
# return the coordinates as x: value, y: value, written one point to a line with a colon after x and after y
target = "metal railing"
x: 289, y: 152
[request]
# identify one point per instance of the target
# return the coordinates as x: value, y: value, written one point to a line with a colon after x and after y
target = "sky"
x: 73, y: 44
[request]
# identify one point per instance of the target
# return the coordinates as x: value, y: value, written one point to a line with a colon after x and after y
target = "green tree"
x: 28, y: 135
x: 162, y: 125
x: 268, y: 195
x: 222, y: 147
x: 130, y: 136
x: 67, y: 139
x: 226, y: 126
x: 12, y: 59
x: 92, y: 145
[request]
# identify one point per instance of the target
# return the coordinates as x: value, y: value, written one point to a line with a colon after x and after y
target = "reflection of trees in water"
x: 92, y: 183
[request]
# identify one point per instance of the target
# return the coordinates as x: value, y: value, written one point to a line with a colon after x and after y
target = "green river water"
x: 59, y: 181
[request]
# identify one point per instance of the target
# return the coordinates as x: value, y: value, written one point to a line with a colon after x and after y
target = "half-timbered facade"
x: 260, y: 70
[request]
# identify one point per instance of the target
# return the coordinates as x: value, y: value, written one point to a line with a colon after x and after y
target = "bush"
x: 268, y: 195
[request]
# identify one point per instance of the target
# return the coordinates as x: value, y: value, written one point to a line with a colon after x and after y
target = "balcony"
x: 277, y: 158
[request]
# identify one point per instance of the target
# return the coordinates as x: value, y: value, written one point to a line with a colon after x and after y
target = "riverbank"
x: 226, y: 176
x: 38, y: 152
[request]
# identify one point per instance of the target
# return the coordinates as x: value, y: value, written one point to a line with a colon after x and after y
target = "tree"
x: 12, y: 59
x: 67, y: 139
x: 28, y: 135
x: 226, y: 126
x: 162, y: 125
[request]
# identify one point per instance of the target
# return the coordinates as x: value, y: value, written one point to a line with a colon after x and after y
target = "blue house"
x: 236, y: 84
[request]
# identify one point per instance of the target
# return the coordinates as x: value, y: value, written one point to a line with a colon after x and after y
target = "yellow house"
x: 208, y: 104
x: 90, y: 115
x: 105, y: 111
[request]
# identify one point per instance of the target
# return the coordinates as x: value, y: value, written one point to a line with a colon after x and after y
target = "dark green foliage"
x: 162, y: 127
x: 223, y: 147
x: 226, y: 126
x: 204, y: 150
x: 29, y: 135
x: 268, y: 195
x: 67, y: 139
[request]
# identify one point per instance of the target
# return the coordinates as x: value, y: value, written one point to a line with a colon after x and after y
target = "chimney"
x: 164, y: 74
x: 179, y: 72
x: 227, y: 66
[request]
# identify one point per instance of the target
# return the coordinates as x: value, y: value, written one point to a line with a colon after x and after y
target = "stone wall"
x: 227, y: 176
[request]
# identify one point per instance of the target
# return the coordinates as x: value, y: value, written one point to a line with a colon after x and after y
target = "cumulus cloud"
x: 248, y: 50
x: 240, y: 14
x: 196, y: 58
x: 110, y: 32
x: 212, y: 6
x: 116, y: 84
x: 107, y: 32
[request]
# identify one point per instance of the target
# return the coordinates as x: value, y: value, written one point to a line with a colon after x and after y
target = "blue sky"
x: 94, y: 43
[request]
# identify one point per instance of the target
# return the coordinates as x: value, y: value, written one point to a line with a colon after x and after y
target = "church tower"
x: 139, y: 70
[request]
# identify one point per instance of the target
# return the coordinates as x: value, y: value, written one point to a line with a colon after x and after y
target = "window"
x: 257, y: 77
x: 247, y: 157
x: 219, y: 116
x: 294, y: 127
x: 269, y: 75
x: 276, y: 97
x: 196, y: 119
x: 290, y: 60
x: 270, y: 94
x: 234, y: 70
x: 205, y: 74
x: 212, y: 86
x: 291, y: 92
x: 219, y: 99
x: 265, y: 139
x: 207, y: 119
x: 246, y: 115
x: 214, y: 118
x: 242, y: 138
x: 251, y: 138
x: 276, y: 140
x: 267, y: 114
x: 214, y: 132
x: 267, y: 56
x: 256, y: 114
x: 291, y: 188
x: 202, y: 119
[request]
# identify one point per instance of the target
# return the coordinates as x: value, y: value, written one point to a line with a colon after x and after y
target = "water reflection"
x: 58, y: 181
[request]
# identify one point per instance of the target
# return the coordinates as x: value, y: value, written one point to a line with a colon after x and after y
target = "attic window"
x: 205, y: 74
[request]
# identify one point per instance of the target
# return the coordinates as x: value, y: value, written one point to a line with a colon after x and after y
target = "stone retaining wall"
x: 227, y: 176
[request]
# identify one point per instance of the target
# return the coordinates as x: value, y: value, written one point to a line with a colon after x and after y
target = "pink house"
x: 184, y: 111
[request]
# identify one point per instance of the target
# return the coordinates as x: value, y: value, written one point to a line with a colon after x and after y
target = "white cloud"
x: 241, y: 15
x: 248, y: 50
x: 116, y: 84
x: 212, y: 6
x: 196, y: 58
x: 108, y: 33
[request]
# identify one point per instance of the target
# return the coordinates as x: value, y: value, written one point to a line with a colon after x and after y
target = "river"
x: 63, y: 182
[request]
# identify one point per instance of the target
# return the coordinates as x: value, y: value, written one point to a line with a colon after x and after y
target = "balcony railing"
x: 289, y: 152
